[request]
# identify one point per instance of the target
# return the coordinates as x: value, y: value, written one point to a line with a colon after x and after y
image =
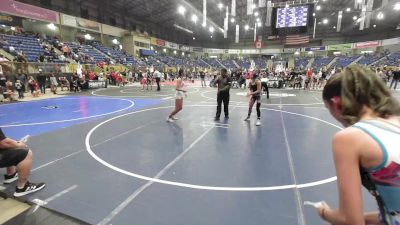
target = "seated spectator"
x: 34, y: 87
x: 19, y: 88
x: 8, y: 91
x: 3, y: 59
x: 17, y: 158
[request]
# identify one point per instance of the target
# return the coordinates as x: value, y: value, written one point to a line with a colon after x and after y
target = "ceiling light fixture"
x: 194, y: 18
x: 211, y: 29
x: 220, y: 5
x: 318, y: 7
x: 246, y: 27
x: 348, y: 10
x: 380, y: 16
x: 181, y: 10
x: 325, y: 21
x: 397, y: 6
x: 256, y: 14
x: 232, y: 20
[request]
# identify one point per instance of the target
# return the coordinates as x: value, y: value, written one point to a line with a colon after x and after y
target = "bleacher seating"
x: 118, y: 55
x: 344, y: 61
x: 27, y: 44
x: 244, y: 63
x: 390, y: 60
x: 228, y: 63
x: 93, y: 55
x: 213, y: 62
x: 320, y: 62
x: 260, y: 63
x: 301, y: 63
x: 369, y: 59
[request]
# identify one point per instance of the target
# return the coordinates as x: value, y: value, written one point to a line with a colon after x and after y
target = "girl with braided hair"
x: 367, y: 151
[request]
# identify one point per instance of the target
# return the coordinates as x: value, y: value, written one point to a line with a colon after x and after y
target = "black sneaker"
x: 216, y: 119
x: 28, y: 188
x: 226, y: 117
x: 8, y: 179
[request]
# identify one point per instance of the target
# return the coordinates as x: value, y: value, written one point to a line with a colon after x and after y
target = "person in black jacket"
x: 41, y: 78
x: 224, y: 84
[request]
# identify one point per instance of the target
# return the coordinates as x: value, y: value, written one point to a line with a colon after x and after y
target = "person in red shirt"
x: 91, y: 75
x: 308, y: 79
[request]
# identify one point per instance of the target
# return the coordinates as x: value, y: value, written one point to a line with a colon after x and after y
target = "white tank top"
x: 386, y: 176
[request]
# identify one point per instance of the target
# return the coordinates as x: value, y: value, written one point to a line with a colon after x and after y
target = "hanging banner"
x: 315, y: 49
x: 158, y: 42
x: 340, y: 47
x: 204, y: 12
x: 237, y: 34
x: 362, y: 17
x: 370, y: 4
x: 270, y: 51
x: 184, y: 48
x: 226, y: 23
x: 79, y: 22
x: 197, y: 49
x: 255, y: 32
x: 171, y: 45
x: 368, y: 44
x: 233, y: 51
x: 268, y: 19
x: 262, y: 3
x: 250, y: 7
x: 233, y: 9
x: 392, y: 41
x: 339, y: 21
x: 250, y: 51
x: 215, y: 51
x: 27, y: 11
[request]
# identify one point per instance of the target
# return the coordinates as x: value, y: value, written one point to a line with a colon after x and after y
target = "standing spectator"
x: 396, y: 78
x: 224, y: 85
x: 158, y: 75
x: 41, y: 78
x: 22, y: 78
x: 17, y: 158
x: 202, y: 78
x: 19, y: 88
x: 53, y: 83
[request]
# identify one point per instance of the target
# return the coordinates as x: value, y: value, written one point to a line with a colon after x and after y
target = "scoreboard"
x: 292, y: 17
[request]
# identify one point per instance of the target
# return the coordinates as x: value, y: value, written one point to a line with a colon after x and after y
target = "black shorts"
x: 12, y: 157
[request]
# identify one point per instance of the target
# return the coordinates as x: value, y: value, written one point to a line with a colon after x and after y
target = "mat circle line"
x: 202, y: 187
x: 75, y: 119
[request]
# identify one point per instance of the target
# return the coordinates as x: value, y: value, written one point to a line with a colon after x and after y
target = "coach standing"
x: 224, y: 85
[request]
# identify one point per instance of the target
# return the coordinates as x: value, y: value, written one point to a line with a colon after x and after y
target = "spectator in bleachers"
x: 3, y: 59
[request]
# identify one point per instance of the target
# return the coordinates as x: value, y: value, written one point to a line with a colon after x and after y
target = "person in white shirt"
x: 3, y: 59
x: 157, y: 76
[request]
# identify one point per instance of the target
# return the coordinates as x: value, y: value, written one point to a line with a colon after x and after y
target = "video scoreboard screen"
x: 292, y: 17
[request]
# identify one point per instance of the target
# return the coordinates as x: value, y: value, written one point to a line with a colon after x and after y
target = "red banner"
x: 367, y: 44
x: 160, y: 42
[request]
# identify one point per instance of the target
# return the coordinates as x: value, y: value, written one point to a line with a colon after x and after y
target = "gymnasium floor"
x: 109, y: 157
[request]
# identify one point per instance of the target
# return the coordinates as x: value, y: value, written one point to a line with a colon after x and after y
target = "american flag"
x: 296, y: 40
